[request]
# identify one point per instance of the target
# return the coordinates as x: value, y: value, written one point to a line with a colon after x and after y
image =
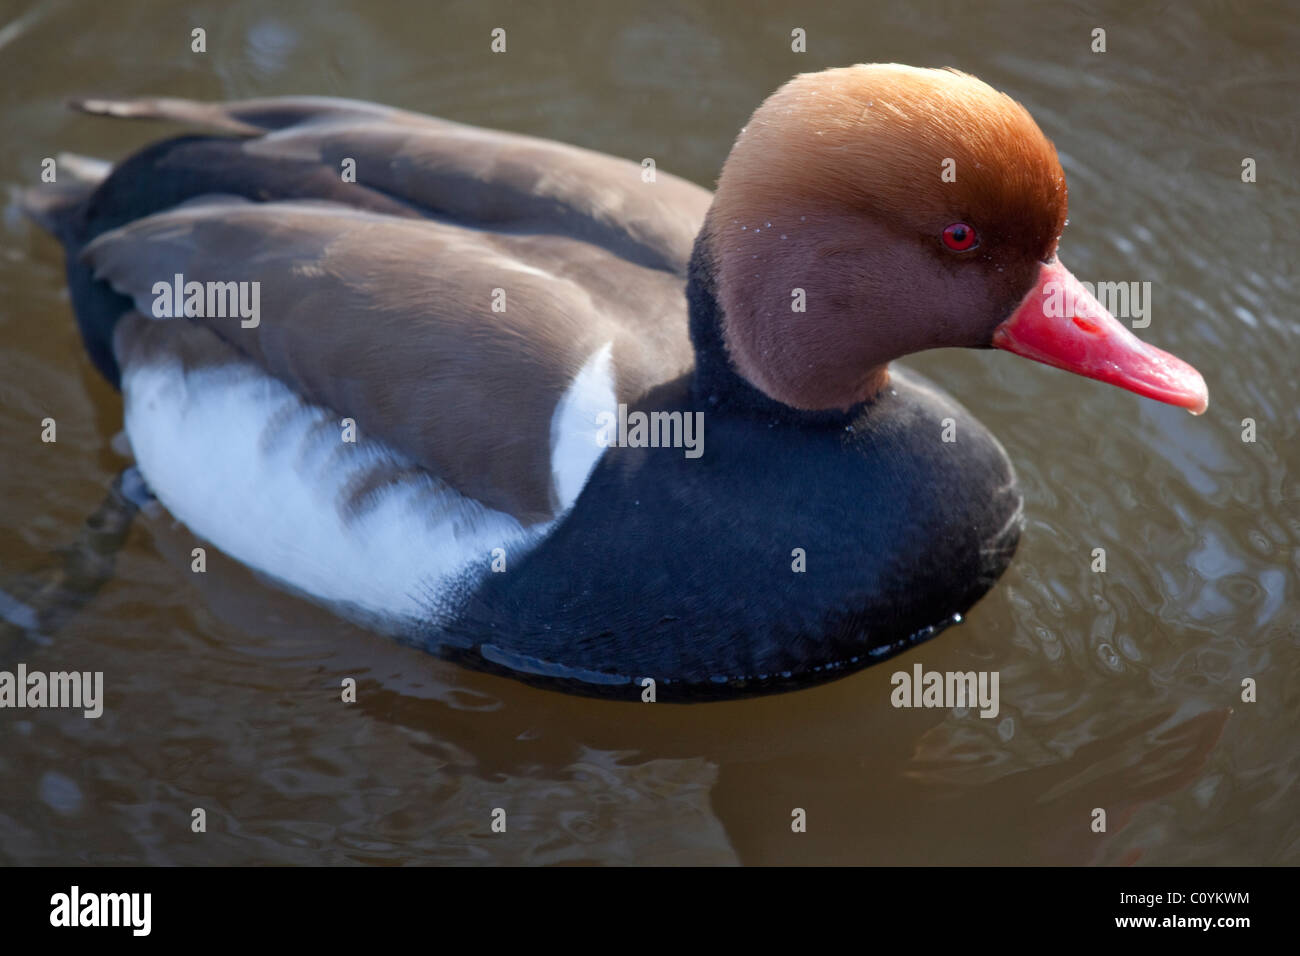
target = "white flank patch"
x: 249, y: 466
x: 574, y: 429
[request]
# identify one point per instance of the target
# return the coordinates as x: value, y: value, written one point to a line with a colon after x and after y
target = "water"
x: 1119, y: 690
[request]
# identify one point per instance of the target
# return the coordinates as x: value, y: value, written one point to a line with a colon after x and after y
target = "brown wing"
x: 390, y: 320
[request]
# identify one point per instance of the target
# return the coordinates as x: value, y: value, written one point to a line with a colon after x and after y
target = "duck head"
x: 877, y: 210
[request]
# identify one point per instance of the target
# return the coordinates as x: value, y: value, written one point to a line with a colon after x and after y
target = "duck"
x: 574, y: 420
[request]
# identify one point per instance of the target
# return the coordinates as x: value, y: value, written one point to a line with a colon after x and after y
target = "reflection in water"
x: 1120, y: 690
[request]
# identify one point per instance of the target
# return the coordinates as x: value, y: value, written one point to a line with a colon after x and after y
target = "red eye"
x: 959, y: 237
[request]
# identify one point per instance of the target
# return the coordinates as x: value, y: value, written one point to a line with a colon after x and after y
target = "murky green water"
x: 1119, y: 690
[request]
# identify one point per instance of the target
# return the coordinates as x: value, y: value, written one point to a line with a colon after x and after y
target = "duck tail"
x: 61, y: 208
x: 56, y: 206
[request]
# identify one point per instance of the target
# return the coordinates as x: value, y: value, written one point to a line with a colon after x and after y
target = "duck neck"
x: 716, y: 383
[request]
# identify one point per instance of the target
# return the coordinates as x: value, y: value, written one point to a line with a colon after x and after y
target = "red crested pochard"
x: 533, y: 410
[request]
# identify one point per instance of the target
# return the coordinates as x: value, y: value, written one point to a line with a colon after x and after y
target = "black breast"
x: 683, y: 570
